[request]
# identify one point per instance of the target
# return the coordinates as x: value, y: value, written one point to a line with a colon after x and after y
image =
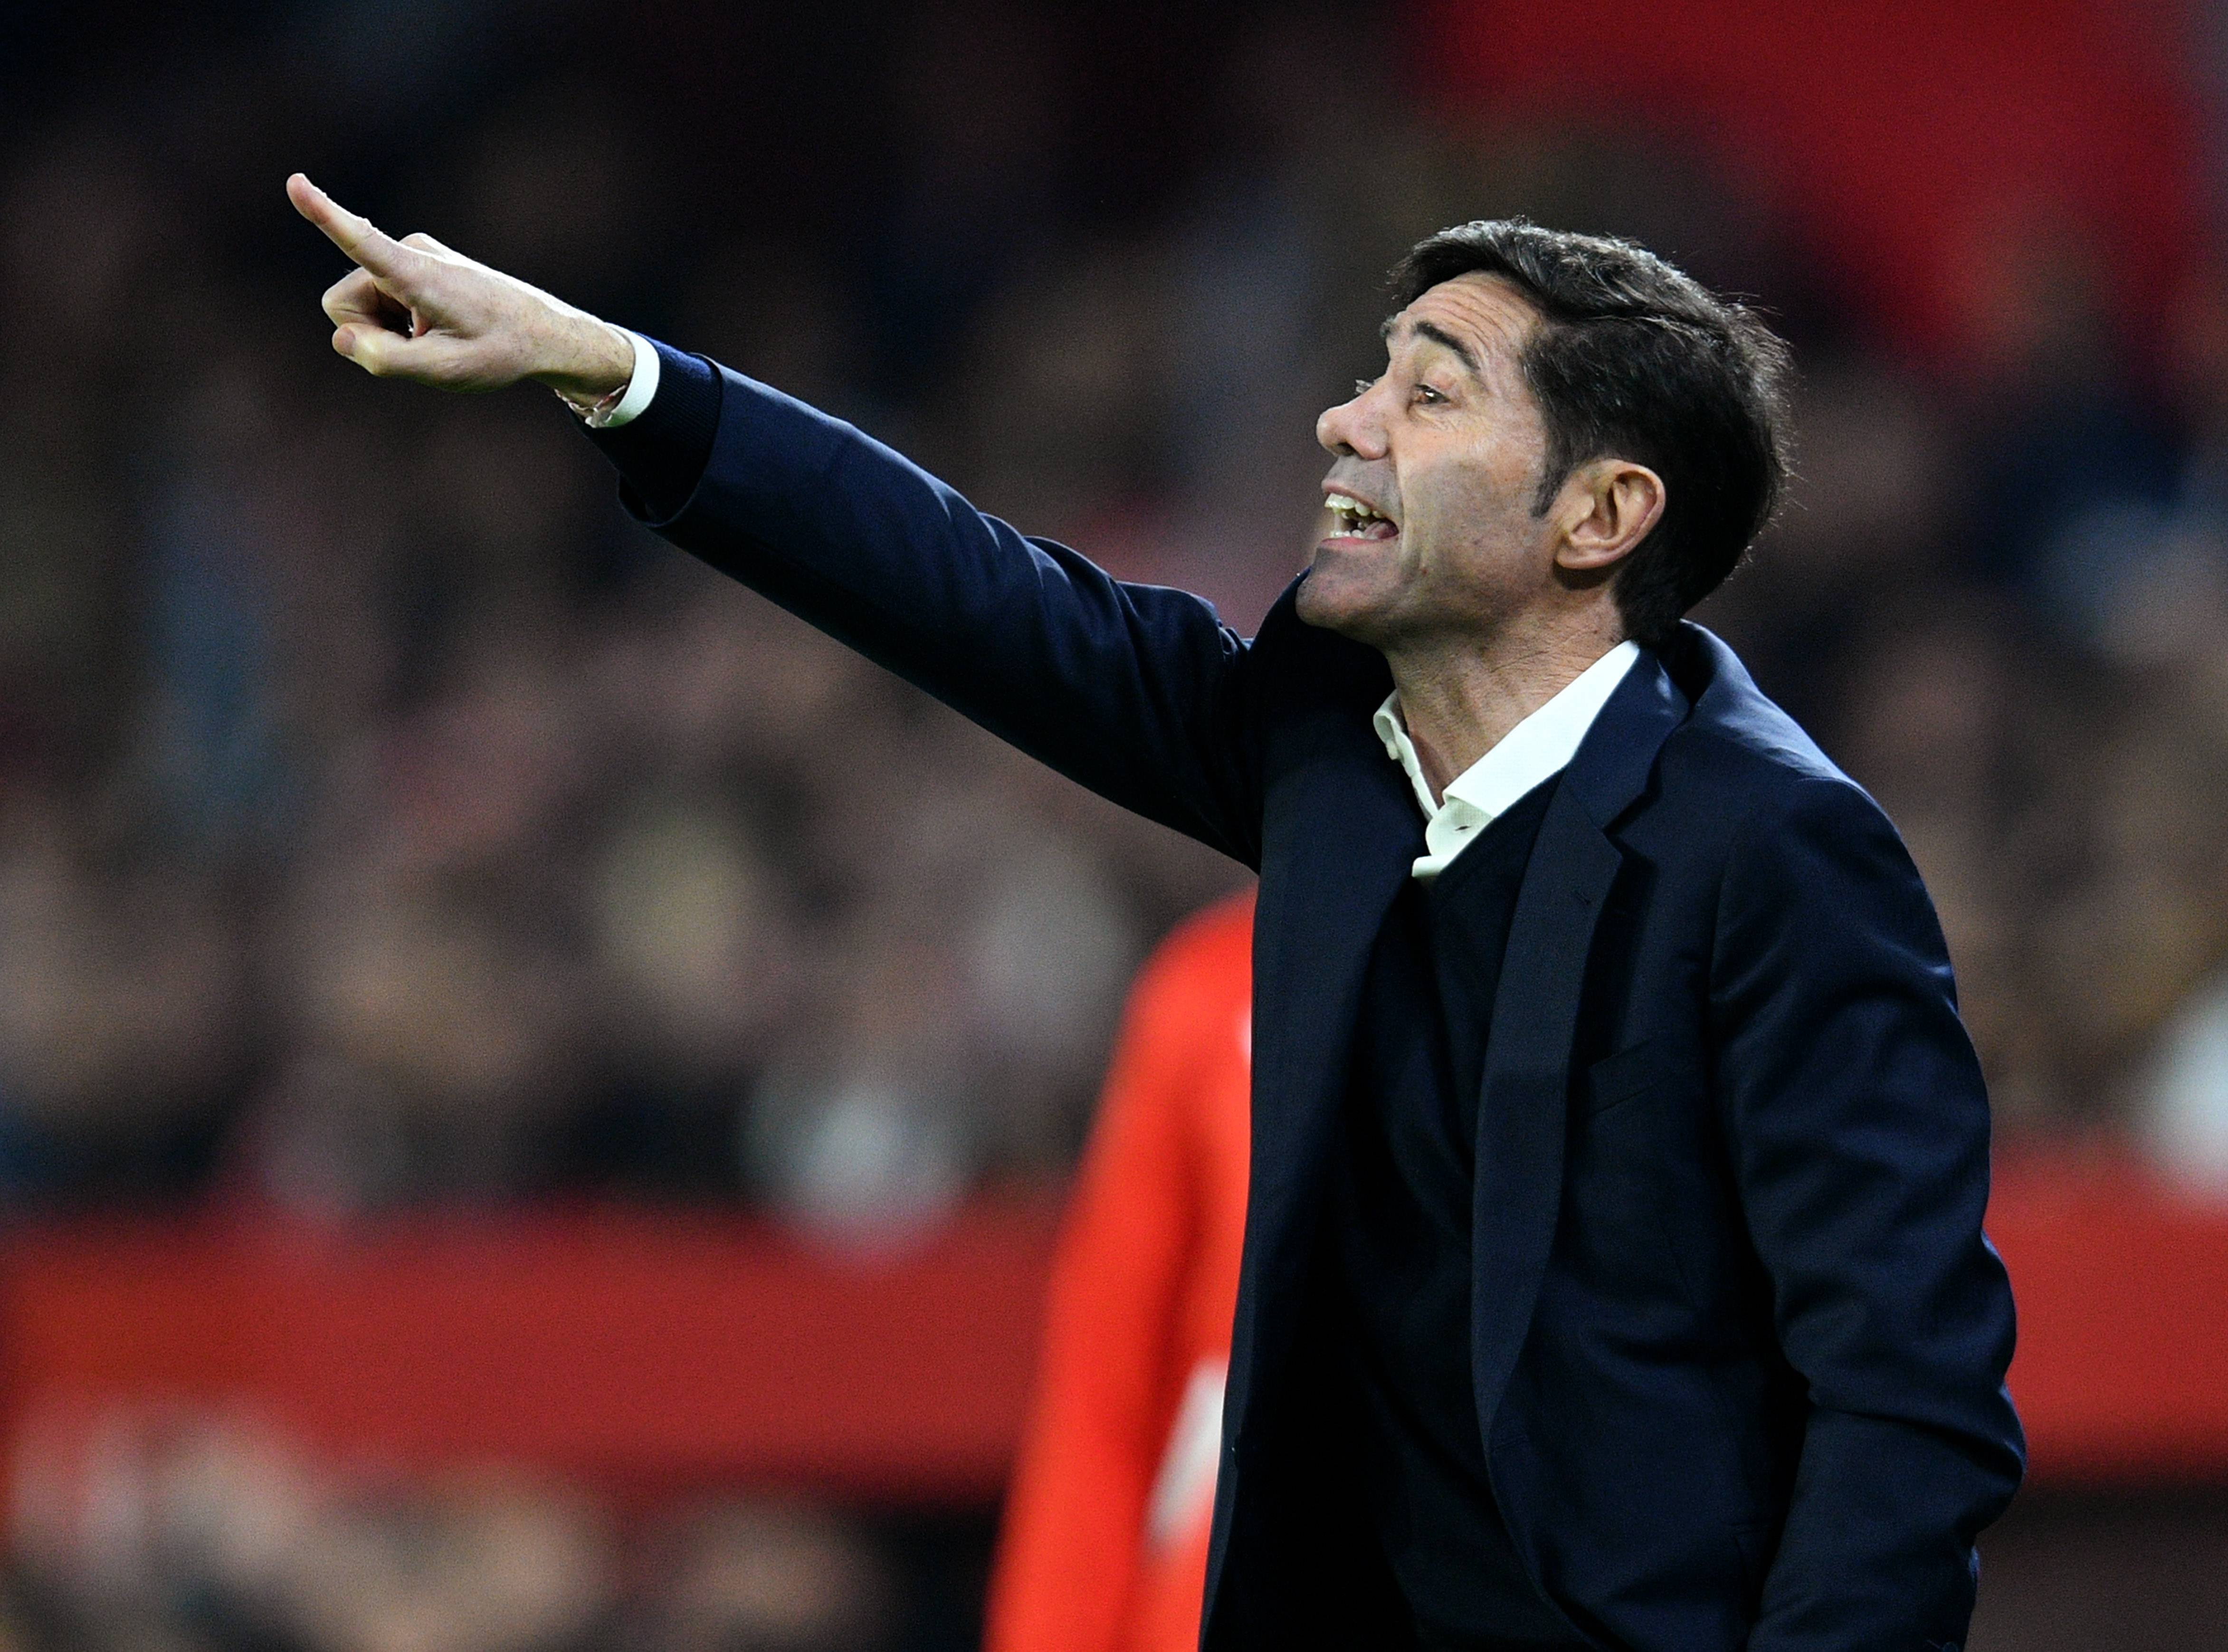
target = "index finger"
x: 354, y: 234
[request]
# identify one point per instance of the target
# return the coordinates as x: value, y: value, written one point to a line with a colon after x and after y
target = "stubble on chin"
x: 1340, y: 601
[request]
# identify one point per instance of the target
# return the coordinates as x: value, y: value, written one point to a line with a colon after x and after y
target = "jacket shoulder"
x: 1735, y: 746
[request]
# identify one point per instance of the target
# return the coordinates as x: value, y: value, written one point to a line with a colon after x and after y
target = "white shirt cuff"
x: 641, y: 387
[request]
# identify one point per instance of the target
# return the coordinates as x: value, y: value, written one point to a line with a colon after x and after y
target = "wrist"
x: 624, y: 405
x: 588, y: 360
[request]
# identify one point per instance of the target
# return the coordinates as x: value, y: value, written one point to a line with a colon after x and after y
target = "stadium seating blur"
x: 454, y: 950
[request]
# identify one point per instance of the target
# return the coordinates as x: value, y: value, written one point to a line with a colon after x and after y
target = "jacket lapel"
x: 1522, y: 1115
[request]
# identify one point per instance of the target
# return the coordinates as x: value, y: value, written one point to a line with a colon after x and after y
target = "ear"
x: 1605, y: 508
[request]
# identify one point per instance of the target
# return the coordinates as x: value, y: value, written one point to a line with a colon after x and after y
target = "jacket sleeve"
x: 1859, y: 1129
x: 1138, y: 692
x: 1108, y: 1380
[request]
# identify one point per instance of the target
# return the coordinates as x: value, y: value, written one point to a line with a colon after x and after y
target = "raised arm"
x: 1137, y: 692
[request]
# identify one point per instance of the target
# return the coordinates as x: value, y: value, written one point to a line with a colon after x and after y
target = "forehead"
x: 1484, y: 313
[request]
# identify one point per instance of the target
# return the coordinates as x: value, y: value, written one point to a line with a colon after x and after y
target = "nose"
x: 1354, y: 429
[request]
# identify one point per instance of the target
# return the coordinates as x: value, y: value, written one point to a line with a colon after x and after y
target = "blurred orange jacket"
x: 1105, y: 1545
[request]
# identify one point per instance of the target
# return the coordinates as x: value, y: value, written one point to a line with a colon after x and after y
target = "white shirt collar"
x: 1542, y: 744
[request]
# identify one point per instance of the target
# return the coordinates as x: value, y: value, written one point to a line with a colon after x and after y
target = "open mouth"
x: 1351, y: 519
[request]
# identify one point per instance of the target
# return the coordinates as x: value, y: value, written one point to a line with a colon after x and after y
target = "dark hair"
x: 1637, y: 360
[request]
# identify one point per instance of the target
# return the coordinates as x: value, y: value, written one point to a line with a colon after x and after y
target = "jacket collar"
x: 1541, y: 744
x: 1612, y: 764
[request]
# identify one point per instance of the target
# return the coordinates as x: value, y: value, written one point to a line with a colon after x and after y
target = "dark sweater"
x: 1402, y: 1227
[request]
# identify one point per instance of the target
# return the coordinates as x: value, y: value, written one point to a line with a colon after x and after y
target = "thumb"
x: 379, y: 352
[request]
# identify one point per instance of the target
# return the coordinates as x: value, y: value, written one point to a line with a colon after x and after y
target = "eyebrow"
x: 1439, y: 335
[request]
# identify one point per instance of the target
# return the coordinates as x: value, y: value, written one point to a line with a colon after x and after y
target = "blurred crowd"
x: 184, y: 1530
x: 384, y: 818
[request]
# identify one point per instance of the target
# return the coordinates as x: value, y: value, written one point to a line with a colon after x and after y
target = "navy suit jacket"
x: 1739, y: 1341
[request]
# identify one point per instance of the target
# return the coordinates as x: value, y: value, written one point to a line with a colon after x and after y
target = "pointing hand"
x: 413, y: 310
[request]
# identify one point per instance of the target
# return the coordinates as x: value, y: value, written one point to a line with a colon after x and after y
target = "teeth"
x: 1352, y: 510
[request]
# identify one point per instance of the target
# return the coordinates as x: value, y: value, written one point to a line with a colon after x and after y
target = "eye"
x: 1428, y: 396
x: 1361, y: 386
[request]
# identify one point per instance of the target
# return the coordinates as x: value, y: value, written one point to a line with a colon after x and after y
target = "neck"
x: 1460, y: 698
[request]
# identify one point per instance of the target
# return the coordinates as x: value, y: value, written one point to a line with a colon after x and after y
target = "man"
x: 1614, y: 1274
x: 1106, y: 1528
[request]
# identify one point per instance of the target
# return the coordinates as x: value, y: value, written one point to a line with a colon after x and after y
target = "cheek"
x: 1475, y: 539
x: 1467, y: 502
x: 1486, y: 467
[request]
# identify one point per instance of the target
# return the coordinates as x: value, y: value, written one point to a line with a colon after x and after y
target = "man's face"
x: 1437, y: 465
